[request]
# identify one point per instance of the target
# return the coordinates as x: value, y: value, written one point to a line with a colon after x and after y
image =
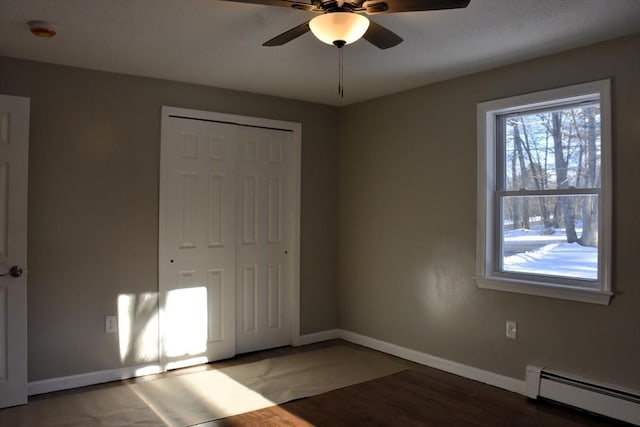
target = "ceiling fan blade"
x: 374, y: 7
x: 381, y: 37
x: 289, y: 35
x: 296, y: 4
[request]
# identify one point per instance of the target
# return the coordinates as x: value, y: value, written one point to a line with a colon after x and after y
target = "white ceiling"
x: 218, y: 43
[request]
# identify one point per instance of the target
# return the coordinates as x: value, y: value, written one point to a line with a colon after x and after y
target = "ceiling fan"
x: 341, y: 21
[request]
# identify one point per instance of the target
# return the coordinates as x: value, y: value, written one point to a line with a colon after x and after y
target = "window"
x: 544, y: 193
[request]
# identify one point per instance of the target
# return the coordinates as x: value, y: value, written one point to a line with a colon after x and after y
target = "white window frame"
x: 487, y: 276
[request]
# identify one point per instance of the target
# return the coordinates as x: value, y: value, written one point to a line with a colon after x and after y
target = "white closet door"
x: 14, y: 154
x: 198, y: 240
x: 264, y: 238
x: 229, y: 219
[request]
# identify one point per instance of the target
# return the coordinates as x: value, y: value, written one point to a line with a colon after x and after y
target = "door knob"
x: 14, y: 271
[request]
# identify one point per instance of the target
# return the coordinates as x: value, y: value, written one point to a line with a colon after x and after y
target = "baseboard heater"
x: 604, y: 399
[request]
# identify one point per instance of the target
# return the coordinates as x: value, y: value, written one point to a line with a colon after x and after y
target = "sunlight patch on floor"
x: 200, y: 398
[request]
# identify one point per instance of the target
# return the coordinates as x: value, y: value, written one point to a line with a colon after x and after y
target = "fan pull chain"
x: 340, y: 73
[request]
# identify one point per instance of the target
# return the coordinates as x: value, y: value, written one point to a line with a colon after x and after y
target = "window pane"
x: 552, y: 149
x: 550, y: 235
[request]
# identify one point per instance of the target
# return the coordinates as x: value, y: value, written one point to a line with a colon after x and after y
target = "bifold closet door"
x: 197, y: 256
x: 264, y: 159
x: 226, y: 237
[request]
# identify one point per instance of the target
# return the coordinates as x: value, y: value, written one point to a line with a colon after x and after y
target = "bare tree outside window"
x: 550, y: 150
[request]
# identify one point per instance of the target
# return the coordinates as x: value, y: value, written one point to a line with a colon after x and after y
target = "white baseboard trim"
x: 90, y: 378
x: 491, y: 378
x: 330, y: 334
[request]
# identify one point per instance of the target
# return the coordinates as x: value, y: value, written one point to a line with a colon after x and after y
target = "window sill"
x: 571, y: 293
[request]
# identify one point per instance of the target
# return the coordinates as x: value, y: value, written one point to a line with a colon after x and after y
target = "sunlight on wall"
x: 138, y: 327
x: 186, y: 332
x: 444, y: 286
x: 146, y: 348
x: 126, y: 304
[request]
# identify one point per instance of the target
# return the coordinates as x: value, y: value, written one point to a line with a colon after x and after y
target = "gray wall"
x: 405, y: 171
x: 407, y: 227
x: 93, y: 204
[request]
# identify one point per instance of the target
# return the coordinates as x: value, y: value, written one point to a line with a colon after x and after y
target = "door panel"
x: 264, y: 168
x: 197, y: 255
x: 14, y: 149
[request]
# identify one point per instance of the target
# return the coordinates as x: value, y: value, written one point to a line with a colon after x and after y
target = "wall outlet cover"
x: 512, y: 329
x: 110, y: 324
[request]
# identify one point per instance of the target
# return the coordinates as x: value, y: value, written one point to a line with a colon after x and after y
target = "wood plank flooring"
x: 419, y: 396
x: 415, y: 398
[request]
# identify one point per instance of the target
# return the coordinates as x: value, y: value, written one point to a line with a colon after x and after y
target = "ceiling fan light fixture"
x: 339, y: 28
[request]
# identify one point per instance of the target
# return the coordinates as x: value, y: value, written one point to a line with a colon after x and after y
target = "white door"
x: 265, y: 182
x: 14, y: 154
x: 197, y: 247
x: 229, y: 221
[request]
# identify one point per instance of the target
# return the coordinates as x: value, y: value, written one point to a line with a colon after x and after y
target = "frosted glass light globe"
x: 335, y: 27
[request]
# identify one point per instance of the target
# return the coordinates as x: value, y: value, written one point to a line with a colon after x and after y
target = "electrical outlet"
x: 110, y: 324
x: 512, y: 329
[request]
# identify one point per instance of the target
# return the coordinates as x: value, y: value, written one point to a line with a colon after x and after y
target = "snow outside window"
x: 544, y: 193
